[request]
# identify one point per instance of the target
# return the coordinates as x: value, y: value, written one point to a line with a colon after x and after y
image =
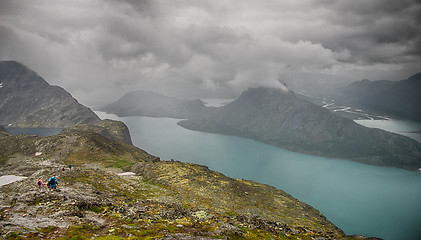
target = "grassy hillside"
x: 163, y: 200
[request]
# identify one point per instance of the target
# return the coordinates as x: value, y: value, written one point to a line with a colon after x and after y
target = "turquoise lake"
x: 358, y: 198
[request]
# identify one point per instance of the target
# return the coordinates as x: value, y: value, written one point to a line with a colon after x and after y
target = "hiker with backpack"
x: 52, y: 183
x: 40, y: 184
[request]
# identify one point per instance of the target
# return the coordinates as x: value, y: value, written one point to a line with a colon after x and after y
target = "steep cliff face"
x: 277, y: 117
x: 163, y: 200
x: 27, y: 100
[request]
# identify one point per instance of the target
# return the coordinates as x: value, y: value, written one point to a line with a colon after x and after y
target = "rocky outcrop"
x: 163, y: 200
x: 278, y: 117
x: 27, y: 100
x: 113, y: 130
x: 87, y: 143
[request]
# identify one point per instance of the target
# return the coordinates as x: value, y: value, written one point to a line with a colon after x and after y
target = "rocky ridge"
x: 162, y: 200
x: 27, y: 100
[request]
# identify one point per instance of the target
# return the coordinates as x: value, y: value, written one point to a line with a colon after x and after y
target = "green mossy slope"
x: 162, y: 200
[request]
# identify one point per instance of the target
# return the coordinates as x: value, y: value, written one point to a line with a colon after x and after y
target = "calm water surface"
x: 408, y: 128
x: 358, y: 198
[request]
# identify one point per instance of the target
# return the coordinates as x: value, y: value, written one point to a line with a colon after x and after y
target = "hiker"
x: 40, y: 184
x: 62, y: 169
x: 70, y: 167
x: 52, y: 183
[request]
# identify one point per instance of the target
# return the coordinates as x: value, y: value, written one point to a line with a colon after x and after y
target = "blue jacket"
x: 54, y: 183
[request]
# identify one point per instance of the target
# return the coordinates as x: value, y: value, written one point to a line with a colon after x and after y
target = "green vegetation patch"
x: 96, y: 208
x: 109, y: 184
x: 260, y: 234
x: 118, y: 162
x: 3, y: 159
x: 107, y: 160
x: 49, y: 229
x: 79, y: 232
x: 112, y: 237
x: 13, y: 235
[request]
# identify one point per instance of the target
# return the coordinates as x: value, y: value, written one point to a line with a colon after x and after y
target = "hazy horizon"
x: 99, y: 50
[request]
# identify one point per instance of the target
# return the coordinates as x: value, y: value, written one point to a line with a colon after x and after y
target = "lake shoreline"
x: 344, y: 191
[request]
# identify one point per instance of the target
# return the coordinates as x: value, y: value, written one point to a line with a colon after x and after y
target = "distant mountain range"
x: 151, y: 104
x: 279, y: 118
x: 401, y: 99
x: 27, y: 100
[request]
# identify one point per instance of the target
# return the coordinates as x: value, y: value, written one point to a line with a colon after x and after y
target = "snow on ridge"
x: 6, y: 179
x: 284, y: 88
x: 1, y: 84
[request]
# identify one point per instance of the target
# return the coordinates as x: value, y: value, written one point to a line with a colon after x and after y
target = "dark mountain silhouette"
x: 27, y: 100
x: 278, y: 117
x: 401, y: 99
x: 145, y: 103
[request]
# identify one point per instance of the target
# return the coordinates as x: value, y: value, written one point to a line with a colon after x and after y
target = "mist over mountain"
x: 278, y: 117
x: 397, y: 98
x: 151, y: 104
x: 27, y: 100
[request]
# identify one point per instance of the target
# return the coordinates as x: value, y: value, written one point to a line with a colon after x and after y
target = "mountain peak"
x: 12, y: 63
x: 279, y: 118
x: 27, y: 100
x: 267, y: 91
x: 15, y: 74
x: 265, y: 96
x: 415, y: 78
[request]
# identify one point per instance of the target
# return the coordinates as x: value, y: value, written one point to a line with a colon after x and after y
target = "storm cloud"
x: 98, y: 50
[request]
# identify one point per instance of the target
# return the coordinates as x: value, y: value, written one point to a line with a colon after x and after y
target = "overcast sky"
x: 100, y: 49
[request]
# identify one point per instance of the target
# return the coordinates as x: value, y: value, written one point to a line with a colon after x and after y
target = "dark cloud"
x: 376, y: 31
x: 100, y: 49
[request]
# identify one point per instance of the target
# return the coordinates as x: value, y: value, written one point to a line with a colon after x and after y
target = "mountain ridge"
x: 151, y: 104
x: 281, y: 119
x: 401, y: 99
x: 27, y: 100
